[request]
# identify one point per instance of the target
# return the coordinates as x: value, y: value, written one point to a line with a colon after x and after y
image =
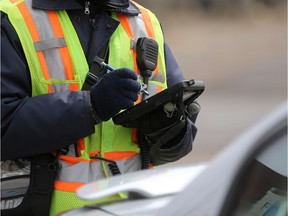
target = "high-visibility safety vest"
x: 57, y: 63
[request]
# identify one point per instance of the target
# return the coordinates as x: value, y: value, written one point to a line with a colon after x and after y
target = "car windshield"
x: 262, y: 190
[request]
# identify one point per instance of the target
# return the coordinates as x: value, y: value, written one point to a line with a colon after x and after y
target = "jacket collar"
x: 132, y: 10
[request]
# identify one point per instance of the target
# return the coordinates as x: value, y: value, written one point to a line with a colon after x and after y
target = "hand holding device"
x: 115, y: 91
x: 183, y: 94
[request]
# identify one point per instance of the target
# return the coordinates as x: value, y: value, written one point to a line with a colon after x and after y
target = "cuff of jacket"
x: 95, y: 118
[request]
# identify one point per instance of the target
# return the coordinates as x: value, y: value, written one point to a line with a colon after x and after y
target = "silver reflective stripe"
x: 49, y: 44
x: 159, y: 77
x: 86, y: 172
x: 46, y: 33
x: 129, y: 165
x: 138, y: 26
x: 152, y: 89
x: 80, y: 172
x: 60, y: 87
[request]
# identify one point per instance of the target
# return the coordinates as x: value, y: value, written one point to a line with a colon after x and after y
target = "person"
x: 47, y: 48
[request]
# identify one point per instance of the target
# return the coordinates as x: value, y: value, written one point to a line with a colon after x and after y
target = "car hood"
x: 155, y: 188
x: 148, y: 183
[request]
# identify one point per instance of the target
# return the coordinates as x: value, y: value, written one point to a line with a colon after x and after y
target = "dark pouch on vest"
x: 161, y: 153
x: 30, y: 193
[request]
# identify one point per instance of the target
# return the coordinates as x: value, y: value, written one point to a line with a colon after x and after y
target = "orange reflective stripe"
x: 119, y: 155
x: 147, y: 22
x: 134, y: 135
x: 109, y: 155
x: 50, y: 88
x: 67, y: 186
x: 64, y: 52
x: 71, y: 160
x: 80, y: 146
x: 138, y: 99
x: 74, y: 87
x: 159, y: 88
x: 29, y: 21
x: 35, y: 37
x: 126, y: 25
x: 94, y: 152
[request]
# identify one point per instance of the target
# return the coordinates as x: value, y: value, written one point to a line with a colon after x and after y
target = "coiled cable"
x: 144, y: 150
x: 113, y: 167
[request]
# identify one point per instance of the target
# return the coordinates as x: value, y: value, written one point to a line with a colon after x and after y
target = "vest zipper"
x: 87, y: 9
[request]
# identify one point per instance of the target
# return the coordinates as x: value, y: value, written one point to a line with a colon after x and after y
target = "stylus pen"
x: 142, y: 90
x: 107, y: 66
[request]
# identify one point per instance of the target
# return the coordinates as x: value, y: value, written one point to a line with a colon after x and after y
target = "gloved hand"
x: 158, y: 119
x: 115, y: 91
x: 162, y: 130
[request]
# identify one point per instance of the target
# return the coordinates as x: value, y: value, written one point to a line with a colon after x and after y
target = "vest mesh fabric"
x: 64, y: 201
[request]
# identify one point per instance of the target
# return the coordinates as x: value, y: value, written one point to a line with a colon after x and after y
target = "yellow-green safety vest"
x: 56, y: 62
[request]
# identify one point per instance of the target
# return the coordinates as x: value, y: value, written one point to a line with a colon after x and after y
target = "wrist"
x: 94, y: 115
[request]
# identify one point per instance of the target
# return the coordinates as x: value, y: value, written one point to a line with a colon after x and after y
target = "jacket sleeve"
x: 41, y: 124
x: 178, y: 138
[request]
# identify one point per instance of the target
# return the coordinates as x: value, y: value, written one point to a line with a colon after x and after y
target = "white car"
x: 248, y: 178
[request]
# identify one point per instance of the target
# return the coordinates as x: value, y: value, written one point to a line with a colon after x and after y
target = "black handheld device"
x: 183, y: 93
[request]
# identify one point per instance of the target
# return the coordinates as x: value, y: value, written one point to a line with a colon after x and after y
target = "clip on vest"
x: 95, y: 71
x: 91, y: 78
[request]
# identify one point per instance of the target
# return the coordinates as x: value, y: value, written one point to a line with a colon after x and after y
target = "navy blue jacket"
x: 45, y: 123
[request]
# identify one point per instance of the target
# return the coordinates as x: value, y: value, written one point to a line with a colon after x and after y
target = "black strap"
x: 42, y: 182
x: 37, y: 199
x: 96, y: 70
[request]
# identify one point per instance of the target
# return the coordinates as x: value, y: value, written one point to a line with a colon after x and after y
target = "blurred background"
x: 239, y: 49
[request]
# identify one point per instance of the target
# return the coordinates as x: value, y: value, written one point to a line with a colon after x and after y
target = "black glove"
x: 115, y: 91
